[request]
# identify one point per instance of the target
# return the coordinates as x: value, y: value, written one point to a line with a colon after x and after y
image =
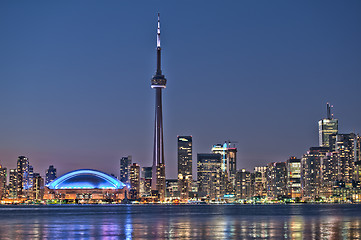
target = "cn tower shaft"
x: 158, y: 168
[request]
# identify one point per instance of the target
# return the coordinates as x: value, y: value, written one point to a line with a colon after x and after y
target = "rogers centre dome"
x: 86, y: 179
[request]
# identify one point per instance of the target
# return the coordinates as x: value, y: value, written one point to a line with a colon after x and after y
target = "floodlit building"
x: 125, y: 163
x: 260, y: 181
x: 134, y: 176
x: 346, y: 151
x: 13, y: 184
x: 294, y: 177
x: 311, y: 172
x: 3, y: 179
x: 86, y: 185
x: 146, y: 181
x: 277, y: 180
x: 244, y: 184
x: 184, y: 166
x: 38, y: 187
x: 209, y: 175
x: 327, y: 129
x: 23, y: 178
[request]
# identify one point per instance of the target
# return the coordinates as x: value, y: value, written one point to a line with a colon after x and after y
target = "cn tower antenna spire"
x: 158, y: 32
x: 159, y: 70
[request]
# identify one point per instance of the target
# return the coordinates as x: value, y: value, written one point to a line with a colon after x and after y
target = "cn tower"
x: 158, y: 171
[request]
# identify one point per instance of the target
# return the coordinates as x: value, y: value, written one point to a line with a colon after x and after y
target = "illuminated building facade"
x: 329, y: 172
x: 13, y: 183
x: 184, y: 165
x: 125, y: 163
x: 209, y: 175
x: 50, y: 174
x: 277, y: 180
x: 172, y: 188
x: 260, y: 181
x: 85, y: 185
x: 3, y: 179
x: 134, y: 176
x: 23, y: 176
x: 38, y: 187
x: 146, y: 181
x: 158, y: 82
x: 346, y: 151
x: 327, y: 129
x: 244, y: 184
x: 294, y: 177
x: 311, y: 172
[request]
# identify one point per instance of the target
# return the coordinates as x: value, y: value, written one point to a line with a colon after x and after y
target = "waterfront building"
x: 209, y: 175
x: 329, y: 173
x: 229, y: 166
x: 229, y: 157
x: 346, y: 151
x: 311, y: 172
x: 244, y: 184
x: 38, y: 187
x: 134, y: 176
x: 294, y: 177
x: 13, y: 183
x: 50, y: 174
x: 86, y: 186
x: 125, y: 163
x: 347, y: 192
x: 277, y: 180
x: 358, y: 159
x: 184, y: 166
x: 23, y: 178
x: 172, y: 189
x: 158, y: 82
x: 146, y: 181
x: 193, y: 193
x: 3, y: 179
x: 327, y: 130
x: 31, y: 176
x: 260, y: 181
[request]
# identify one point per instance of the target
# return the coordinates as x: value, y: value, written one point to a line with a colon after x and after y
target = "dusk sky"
x: 75, y: 79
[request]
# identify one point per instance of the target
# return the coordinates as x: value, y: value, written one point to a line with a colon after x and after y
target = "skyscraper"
x: 277, y: 180
x: 50, y: 174
x: 146, y: 181
x: 3, y: 177
x: 134, y: 176
x: 209, y: 175
x: 23, y: 180
x: 13, y: 183
x: 158, y: 82
x: 327, y: 130
x: 311, y: 172
x: 125, y: 163
x: 346, y: 148
x: 184, y: 165
x: 294, y: 177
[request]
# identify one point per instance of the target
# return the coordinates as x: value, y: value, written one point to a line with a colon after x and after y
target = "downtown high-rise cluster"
x: 330, y: 172
x: 22, y: 182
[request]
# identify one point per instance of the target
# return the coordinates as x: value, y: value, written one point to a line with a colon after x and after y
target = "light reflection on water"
x: 181, y: 222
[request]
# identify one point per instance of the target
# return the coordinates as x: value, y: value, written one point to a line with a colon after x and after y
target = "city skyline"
x: 65, y: 112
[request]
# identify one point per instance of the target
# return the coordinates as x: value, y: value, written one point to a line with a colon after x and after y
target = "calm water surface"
x: 181, y: 222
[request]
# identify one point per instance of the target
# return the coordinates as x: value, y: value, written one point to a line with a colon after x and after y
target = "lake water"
x: 181, y: 222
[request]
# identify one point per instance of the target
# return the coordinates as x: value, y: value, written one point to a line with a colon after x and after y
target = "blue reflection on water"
x: 181, y: 222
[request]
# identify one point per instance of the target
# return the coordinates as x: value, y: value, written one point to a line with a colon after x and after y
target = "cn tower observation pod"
x: 86, y: 179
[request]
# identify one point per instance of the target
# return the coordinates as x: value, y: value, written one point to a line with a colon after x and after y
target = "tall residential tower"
x: 158, y: 172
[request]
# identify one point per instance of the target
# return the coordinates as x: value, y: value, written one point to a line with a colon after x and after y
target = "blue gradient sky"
x: 75, y: 78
